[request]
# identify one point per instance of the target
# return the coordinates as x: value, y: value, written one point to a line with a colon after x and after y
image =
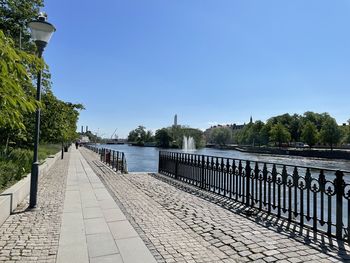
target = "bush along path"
x: 16, y: 163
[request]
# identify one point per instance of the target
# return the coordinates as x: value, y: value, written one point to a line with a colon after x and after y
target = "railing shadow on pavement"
x: 319, y: 241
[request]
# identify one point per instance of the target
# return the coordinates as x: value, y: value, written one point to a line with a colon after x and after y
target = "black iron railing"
x: 311, y: 197
x: 115, y: 159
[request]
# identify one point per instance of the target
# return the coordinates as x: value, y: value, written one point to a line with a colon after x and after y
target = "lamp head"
x: 41, y: 31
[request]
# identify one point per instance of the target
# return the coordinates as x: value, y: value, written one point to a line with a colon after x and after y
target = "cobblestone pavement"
x: 33, y: 235
x: 179, y: 224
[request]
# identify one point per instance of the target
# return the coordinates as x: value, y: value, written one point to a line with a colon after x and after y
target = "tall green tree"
x: 163, y: 138
x: 330, y: 133
x: 279, y: 134
x: 309, y: 133
x: 16, y: 69
x: 251, y: 133
x: 347, y: 133
x: 178, y: 132
x: 295, y: 127
x: 140, y: 135
x: 220, y: 135
x: 14, y: 17
x: 264, y: 134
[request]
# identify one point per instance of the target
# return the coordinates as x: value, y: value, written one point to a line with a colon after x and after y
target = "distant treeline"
x: 310, y: 128
x: 284, y: 130
x: 170, y: 137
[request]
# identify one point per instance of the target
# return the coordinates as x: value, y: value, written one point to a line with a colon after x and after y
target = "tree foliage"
x: 279, y: 134
x: 330, y: 132
x: 14, y: 17
x: 253, y: 133
x: 178, y: 132
x: 18, y: 72
x: 309, y: 133
x: 163, y: 138
x: 306, y: 128
x: 140, y: 135
x: 16, y: 69
x: 173, y: 136
x: 346, y: 138
x: 59, y: 119
x: 220, y: 135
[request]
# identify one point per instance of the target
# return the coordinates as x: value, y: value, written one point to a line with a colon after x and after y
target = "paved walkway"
x: 182, y: 224
x: 93, y: 227
x: 88, y: 213
x: 77, y: 220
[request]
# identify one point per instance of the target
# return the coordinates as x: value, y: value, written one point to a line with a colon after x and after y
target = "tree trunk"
x: 7, y: 144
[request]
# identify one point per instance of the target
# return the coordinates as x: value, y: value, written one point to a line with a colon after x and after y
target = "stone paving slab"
x: 94, y: 229
x: 180, y: 223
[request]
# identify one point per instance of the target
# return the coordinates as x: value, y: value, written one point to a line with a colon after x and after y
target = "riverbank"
x: 313, y: 153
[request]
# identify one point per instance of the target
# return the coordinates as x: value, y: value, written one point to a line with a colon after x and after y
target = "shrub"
x: 17, y: 163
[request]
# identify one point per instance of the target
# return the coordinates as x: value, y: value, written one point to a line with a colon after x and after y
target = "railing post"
x: 117, y: 161
x: 202, y: 174
x: 339, y: 190
x: 122, y: 170
x: 113, y: 160
x: 247, y: 182
x: 159, y: 161
x: 176, y: 164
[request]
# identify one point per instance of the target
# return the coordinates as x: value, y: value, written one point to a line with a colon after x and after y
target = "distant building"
x: 175, y: 120
x: 84, y: 139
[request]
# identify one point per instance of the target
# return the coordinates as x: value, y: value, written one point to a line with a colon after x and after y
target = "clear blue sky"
x: 220, y: 61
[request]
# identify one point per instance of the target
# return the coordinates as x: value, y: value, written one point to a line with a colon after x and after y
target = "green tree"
x: 295, y: 126
x: 177, y: 133
x: 264, y: 134
x: 220, y: 135
x: 163, y: 138
x: 149, y: 136
x: 140, y: 135
x: 16, y: 68
x: 58, y: 119
x: 251, y: 133
x: 330, y: 132
x: 316, y: 118
x: 279, y: 134
x: 347, y: 133
x: 309, y: 133
x: 14, y: 17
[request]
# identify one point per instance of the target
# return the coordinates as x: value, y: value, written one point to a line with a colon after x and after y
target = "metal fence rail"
x: 115, y: 159
x: 311, y: 197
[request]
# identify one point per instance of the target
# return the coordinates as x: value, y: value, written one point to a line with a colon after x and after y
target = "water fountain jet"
x: 188, y: 144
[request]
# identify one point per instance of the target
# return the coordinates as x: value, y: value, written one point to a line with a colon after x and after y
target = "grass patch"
x: 48, y: 149
x: 18, y: 162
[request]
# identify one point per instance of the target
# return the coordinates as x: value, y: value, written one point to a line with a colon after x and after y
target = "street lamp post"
x: 41, y: 32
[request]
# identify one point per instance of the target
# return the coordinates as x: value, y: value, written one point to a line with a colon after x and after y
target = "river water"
x: 145, y: 159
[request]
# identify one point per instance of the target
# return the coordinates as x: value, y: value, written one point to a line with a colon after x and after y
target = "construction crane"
x: 113, y: 133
